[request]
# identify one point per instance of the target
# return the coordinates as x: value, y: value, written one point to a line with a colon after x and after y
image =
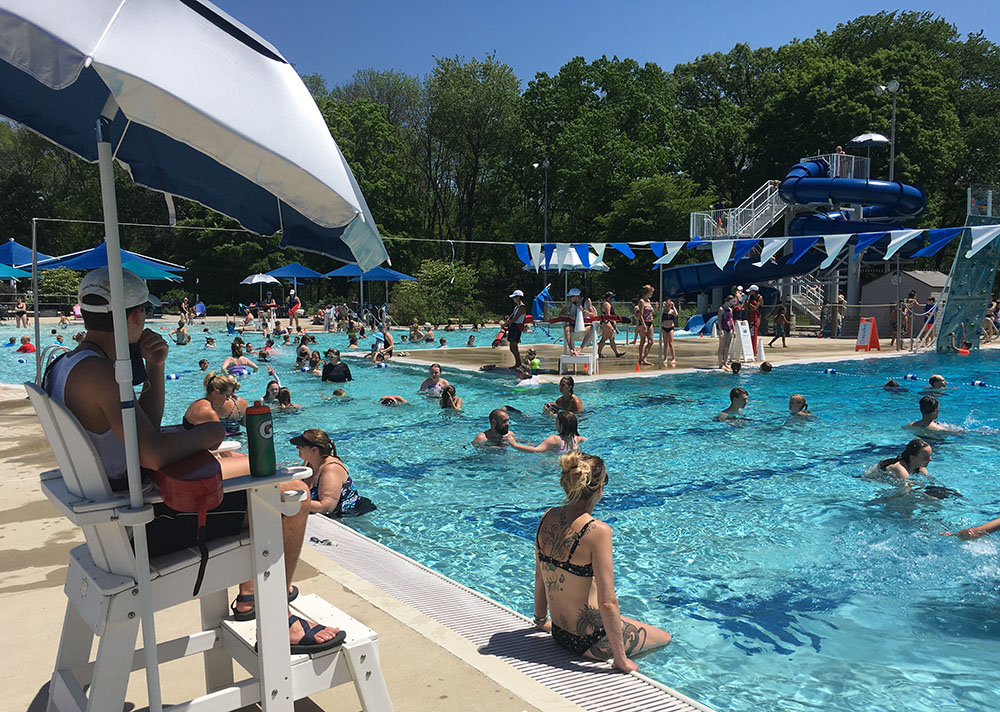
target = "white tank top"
x: 109, y: 448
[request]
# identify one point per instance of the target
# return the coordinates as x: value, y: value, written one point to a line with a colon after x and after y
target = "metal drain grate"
x: 495, y: 629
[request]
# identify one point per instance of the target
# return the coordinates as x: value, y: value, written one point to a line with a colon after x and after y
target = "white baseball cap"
x: 753, y: 288
x: 290, y: 291
x: 517, y: 293
x: 98, y: 284
x: 574, y: 292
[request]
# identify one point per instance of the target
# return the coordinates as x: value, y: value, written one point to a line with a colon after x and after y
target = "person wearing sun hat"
x: 514, y: 324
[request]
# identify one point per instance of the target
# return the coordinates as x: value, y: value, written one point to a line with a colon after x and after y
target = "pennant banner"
x: 670, y: 250
x: 939, y: 238
x: 771, y: 247
x: 898, y: 238
x: 982, y: 235
x: 624, y: 249
x: 657, y: 248
x: 741, y: 248
x: 549, y: 251
x: 865, y: 240
x: 522, y: 252
x: 800, y: 246
x: 535, y: 250
x: 721, y: 249
x: 562, y: 256
x: 583, y: 252
x: 599, y: 248
x: 833, y: 244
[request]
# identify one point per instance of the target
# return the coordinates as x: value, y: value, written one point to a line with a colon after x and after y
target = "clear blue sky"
x: 336, y: 38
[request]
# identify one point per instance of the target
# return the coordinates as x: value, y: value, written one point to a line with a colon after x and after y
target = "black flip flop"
x: 308, y: 645
x: 252, y: 613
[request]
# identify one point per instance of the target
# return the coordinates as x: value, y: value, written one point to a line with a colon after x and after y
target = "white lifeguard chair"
x: 101, y: 585
x: 588, y: 359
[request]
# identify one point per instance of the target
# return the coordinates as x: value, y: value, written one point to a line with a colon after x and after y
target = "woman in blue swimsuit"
x: 574, y: 574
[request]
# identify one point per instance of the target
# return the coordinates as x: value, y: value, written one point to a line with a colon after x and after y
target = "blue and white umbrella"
x: 191, y: 103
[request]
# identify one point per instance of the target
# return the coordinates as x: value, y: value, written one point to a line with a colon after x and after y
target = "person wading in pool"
x: 499, y: 427
x: 574, y: 574
x: 914, y: 459
x: 567, y: 437
x: 567, y: 401
x: 433, y: 384
x: 738, y: 398
x: 929, y: 409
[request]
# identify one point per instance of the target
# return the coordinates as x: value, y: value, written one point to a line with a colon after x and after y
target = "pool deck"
x: 427, y: 666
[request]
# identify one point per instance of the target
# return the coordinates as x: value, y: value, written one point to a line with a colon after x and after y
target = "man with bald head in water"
x: 499, y: 426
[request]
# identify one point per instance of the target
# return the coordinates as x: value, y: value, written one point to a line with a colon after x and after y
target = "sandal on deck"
x: 252, y: 613
x: 308, y: 644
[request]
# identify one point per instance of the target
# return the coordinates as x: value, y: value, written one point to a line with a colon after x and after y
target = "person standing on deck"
x: 515, y: 325
x: 754, y: 304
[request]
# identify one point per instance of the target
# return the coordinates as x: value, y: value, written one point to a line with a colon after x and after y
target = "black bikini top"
x: 585, y: 570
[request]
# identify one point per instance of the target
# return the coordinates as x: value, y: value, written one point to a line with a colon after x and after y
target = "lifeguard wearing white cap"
x: 517, y: 293
x: 754, y: 288
x: 98, y: 284
x: 574, y: 292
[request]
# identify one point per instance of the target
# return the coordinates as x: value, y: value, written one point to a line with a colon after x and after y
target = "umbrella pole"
x: 138, y: 511
x: 660, y: 290
x: 34, y: 299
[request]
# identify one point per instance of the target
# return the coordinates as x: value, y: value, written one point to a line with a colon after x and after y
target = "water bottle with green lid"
x: 260, y: 439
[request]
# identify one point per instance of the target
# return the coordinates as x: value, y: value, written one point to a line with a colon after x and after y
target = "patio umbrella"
x: 97, y: 257
x: 295, y: 272
x: 868, y: 140
x: 194, y: 104
x: 260, y: 280
x: 14, y: 253
x: 147, y: 271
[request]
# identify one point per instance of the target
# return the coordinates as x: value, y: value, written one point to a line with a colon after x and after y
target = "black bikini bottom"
x: 578, y: 644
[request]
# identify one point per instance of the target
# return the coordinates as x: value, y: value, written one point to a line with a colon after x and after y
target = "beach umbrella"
x: 97, y: 257
x: 143, y: 269
x: 14, y: 253
x: 8, y: 272
x: 868, y: 140
x: 191, y: 103
x: 260, y: 280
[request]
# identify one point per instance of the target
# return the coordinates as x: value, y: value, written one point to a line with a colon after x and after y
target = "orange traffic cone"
x: 637, y: 369
x: 586, y: 369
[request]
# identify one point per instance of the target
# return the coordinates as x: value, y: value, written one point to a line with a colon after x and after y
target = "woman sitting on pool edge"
x: 574, y: 574
x: 567, y: 437
x: 330, y: 486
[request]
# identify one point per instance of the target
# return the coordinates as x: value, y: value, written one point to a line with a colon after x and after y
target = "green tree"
x: 443, y: 291
x: 58, y: 282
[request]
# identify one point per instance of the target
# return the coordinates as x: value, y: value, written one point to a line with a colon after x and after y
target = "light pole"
x: 544, y: 164
x: 891, y: 88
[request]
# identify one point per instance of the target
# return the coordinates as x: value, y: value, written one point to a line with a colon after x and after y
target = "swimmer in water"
x: 766, y: 367
x: 937, y: 381
x: 929, y: 409
x: 736, y: 367
x: 237, y: 363
x: 392, y: 400
x: 433, y: 384
x: 499, y: 427
x: 893, y: 387
x: 449, y: 399
x: 567, y: 437
x: 798, y: 408
x: 738, y: 398
x: 567, y: 401
x: 203, y: 364
x: 284, y: 397
x: 975, y: 532
x: 914, y: 459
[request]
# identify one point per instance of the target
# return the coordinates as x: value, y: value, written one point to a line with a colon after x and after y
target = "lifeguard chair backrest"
x: 83, y: 474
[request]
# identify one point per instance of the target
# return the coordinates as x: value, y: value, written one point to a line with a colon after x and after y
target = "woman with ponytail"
x: 574, y: 574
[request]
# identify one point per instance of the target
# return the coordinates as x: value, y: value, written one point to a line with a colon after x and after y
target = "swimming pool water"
x: 787, y: 579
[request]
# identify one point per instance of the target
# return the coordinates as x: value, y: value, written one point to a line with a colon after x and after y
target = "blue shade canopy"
x: 13, y: 253
x: 345, y: 271
x: 148, y: 271
x: 8, y: 272
x: 384, y: 274
x: 98, y: 257
x: 294, y: 271
x: 200, y: 107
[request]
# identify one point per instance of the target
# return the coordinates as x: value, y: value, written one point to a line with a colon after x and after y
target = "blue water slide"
x: 886, y: 202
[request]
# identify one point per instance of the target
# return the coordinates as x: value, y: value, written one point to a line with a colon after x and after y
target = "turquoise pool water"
x: 787, y: 579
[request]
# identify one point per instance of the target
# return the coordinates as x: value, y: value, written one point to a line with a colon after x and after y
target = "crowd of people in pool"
x: 574, y: 592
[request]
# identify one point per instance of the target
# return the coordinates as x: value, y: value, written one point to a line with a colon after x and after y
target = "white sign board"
x: 864, y: 334
x: 744, y: 341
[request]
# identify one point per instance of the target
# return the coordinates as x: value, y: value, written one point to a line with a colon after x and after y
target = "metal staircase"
x: 806, y: 297
x: 748, y: 220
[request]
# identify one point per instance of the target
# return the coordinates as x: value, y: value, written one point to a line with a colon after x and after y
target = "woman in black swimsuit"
x: 574, y: 574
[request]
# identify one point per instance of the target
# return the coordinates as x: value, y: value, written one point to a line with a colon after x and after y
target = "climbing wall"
x: 971, y: 280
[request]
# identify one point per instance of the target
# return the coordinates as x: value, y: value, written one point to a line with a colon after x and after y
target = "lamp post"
x: 892, y: 89
x: 544, y: 164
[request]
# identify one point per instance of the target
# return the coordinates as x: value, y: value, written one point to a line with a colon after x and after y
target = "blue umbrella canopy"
x: 147, y: 271
x: 98, y: 257
x: 294, y: 271
x: 13, y: 253
x: 8, y: 272
x: 384, y: 274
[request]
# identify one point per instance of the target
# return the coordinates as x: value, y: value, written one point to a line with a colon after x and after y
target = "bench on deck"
x: 102, y: 591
